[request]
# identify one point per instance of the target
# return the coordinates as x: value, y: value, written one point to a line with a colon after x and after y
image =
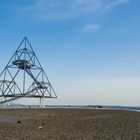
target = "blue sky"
x: 89, y: 48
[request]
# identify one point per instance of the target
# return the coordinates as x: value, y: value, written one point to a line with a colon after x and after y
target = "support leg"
x: 43, y: 103
x: 40, y: 102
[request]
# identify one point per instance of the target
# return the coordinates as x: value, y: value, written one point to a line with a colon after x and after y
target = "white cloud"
x: 91, y: 27
x: 58, y: 9
x: 114, y: 3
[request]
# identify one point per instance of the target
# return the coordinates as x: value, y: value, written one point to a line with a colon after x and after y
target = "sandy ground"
x: 68, y: 124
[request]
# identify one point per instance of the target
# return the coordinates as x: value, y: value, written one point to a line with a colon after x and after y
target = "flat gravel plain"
x: 69, y: 124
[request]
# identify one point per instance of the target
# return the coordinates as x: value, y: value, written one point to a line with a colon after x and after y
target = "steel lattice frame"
x: 14, y: 83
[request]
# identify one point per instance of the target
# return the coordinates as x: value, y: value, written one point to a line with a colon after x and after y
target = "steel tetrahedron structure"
x: 24, y: 77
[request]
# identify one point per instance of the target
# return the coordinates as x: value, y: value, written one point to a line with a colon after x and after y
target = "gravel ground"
x: 69, y: 124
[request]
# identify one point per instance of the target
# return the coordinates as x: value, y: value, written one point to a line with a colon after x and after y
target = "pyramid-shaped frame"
x: 24, y: 76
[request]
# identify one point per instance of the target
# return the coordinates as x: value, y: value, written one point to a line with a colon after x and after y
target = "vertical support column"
x: 41, y: 102
x: 4, y: 100
x: 1, y: 99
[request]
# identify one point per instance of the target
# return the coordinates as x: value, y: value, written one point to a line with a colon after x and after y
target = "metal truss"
x: 24, y: 77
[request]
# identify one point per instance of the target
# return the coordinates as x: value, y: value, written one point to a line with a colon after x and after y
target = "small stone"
x: 40, y: 127
x: 18, y: 121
